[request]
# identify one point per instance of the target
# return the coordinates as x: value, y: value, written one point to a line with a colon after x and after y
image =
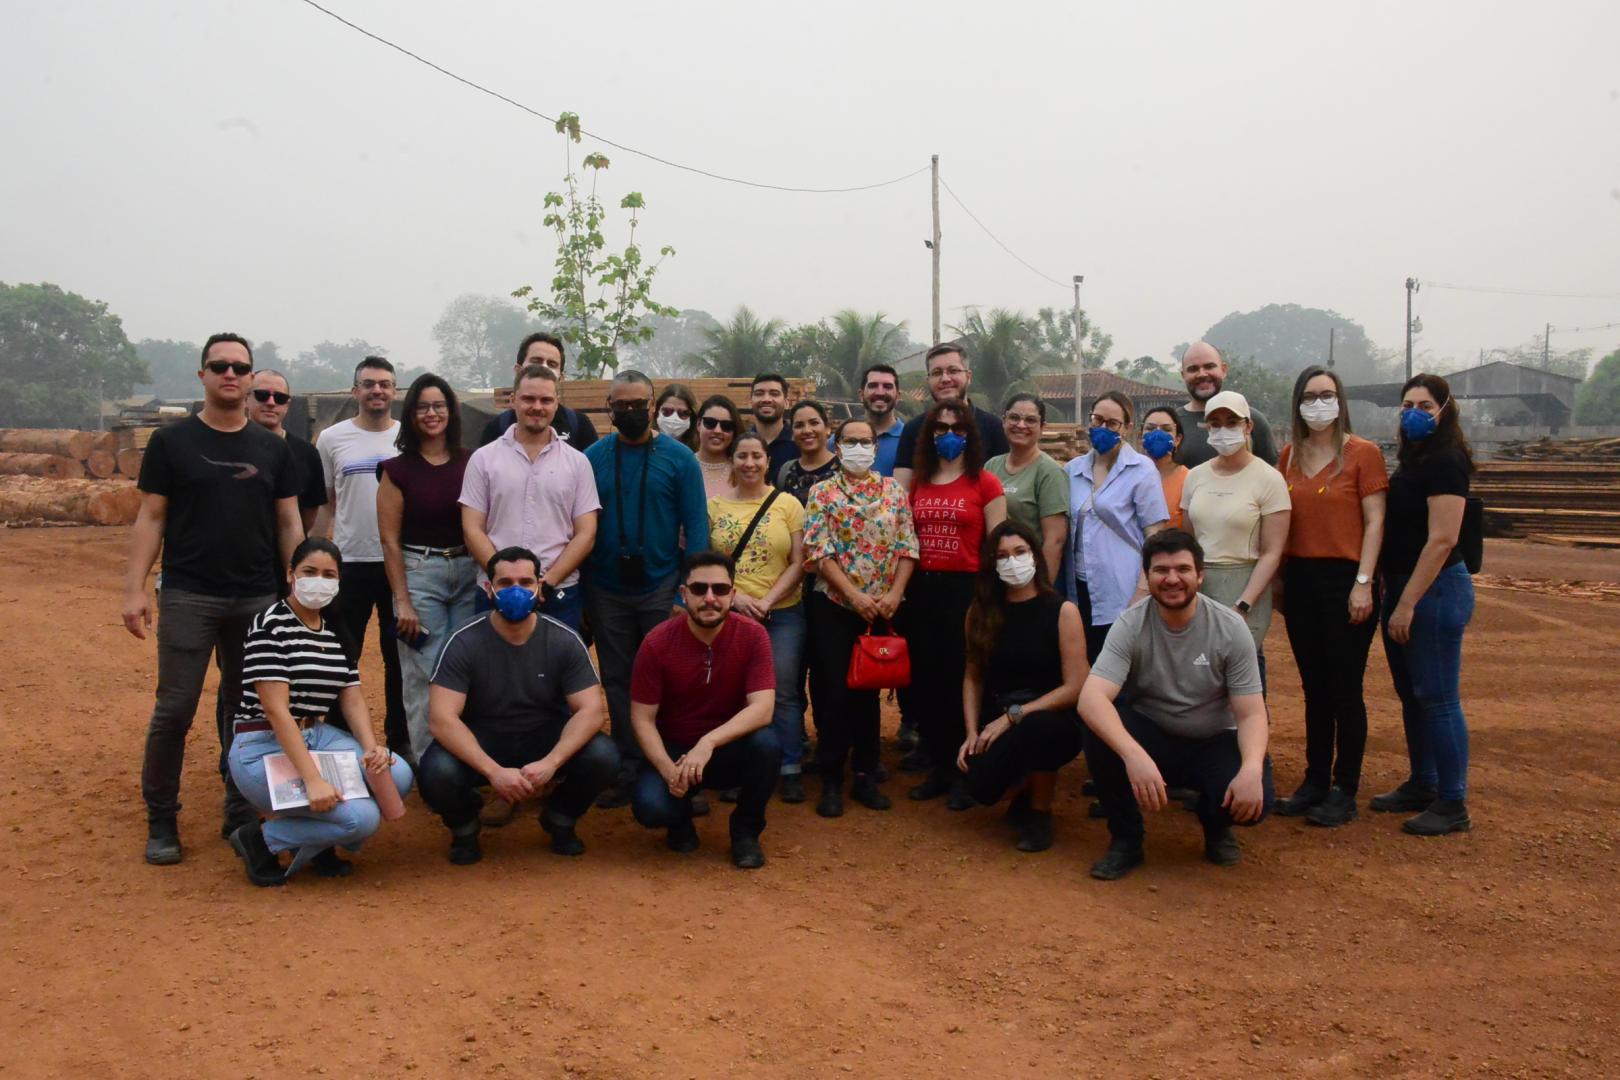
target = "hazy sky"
x: 254, y: 165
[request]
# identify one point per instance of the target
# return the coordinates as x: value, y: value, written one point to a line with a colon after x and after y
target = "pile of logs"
x: 29, y: 500
x: 64, y: 454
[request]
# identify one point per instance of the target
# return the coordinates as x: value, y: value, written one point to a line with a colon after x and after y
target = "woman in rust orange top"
x: 1161, y: 438
x: 1336, y: 482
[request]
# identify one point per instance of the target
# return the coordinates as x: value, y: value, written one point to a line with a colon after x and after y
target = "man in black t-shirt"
x: 516, y: 705
x: 948, y: 377
x: 267, y: 406
x: 572, y: 426
x: 219, y: 499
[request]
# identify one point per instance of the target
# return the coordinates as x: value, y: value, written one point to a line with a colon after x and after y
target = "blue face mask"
x: 1417, y: 424
x: 950, y: 445
x: 1102, y: 440
x: 1158, y: 443
x: 515, y: 603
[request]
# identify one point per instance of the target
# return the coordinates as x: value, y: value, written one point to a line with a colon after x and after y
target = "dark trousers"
x: 619, y: 622
x: 750, y: 764
x: 847, y: 721
x: 937, y: 604
x: 1040, y: 742
x: 191, y: 628
x: 1205, y: 765
x: 1331, y: 652
x: 364, y: 589
x: 450, y: 786
x: 1095, y: 635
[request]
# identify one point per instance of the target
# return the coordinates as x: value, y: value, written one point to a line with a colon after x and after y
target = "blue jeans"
x: 568, y: 606
x: 347, y: 824
x: 442, y: 592
x: 786, y: 629
x: 1427, y: 671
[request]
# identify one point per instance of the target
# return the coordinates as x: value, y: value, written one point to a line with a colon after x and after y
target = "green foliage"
x: 172, y: 367
x: 1267, y: 390
x: 1147, y: 369
x: 1598, y: 399
x: 478, y: 338
x: 1008, y: 350
x: 1053, y: 331
x: 61, y: 355
x: 1288, y: 338
x: 836, y: 355
x: 742, y: 348
x: 330, y: 366
x: 599, y: 299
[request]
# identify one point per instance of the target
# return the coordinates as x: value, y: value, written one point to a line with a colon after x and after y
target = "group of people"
x: 1115, y: 606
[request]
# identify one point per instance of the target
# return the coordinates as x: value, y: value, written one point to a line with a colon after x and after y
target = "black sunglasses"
x: 272, y: 395
x: 703, y: 588
x: 713, y: 422
x: 235, y: 367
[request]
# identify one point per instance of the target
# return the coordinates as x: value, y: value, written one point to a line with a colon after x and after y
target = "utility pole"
x: 1411, y: 287
x: 1546, y: 348
x: 1079, y: 351
x: 935, y: 247
x: 1331, y: 331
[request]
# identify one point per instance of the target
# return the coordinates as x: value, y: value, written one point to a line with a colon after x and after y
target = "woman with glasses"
x: 954, y: 503
x: 816, y: 461
x: 433, y: 579
x: 1336, y: 484
x: 718, y: 425
x: 1161, y: 438
x: 762, y: 530
x: 1117, y: 502
x: 1036, y: 489
x: 677, y: 415
x: 860, y: 544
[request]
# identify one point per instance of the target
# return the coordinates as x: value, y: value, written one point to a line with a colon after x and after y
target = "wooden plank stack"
x: 1574, y: 451
x: 589, y: 396
x: 1561, y: 499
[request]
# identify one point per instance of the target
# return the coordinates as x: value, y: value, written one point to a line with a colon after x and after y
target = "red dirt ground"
x: 913, y: 943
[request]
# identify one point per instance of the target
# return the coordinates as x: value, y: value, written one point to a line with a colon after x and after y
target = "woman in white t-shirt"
x: 1237, y: 506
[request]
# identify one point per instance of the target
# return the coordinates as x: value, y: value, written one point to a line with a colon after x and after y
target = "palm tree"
x: 1007, y: 354
x: 854, y: 343
x: 740, y: 349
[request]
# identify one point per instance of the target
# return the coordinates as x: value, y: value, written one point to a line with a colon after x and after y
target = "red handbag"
x: 879, y: 662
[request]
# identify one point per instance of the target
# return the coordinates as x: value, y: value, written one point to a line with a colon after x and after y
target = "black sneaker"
x: 730, y: 794
x: 1018, y: 809
x: 831, y: 803
x: 1221, y: 848
x: 792, y: 787
x: 464, y: 848
x: 162, y: 845
x: 564, y: 841
x: 1442, y: 817
x: 1338, y: 808
x: 910, y: 737
x: 328, y: 864
x: 1304, y: 798
x: 1035, y: 831
x: 683, y: 837
x: 1097, y: 811
x: 1116, y: 863
x: 959, y: 798
x: 916, y: 760
x: 235, y: 821
x: 880, y: 773
x: 746, y: 853
x: 700, y: 804
x: 1410, y: 798
x: 263, y: 868
x: 937, y: 784
x: 865, y: 791
x: 614, y: 797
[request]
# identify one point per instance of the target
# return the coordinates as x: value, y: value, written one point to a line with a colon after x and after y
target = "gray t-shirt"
x: 1183, y: 680
x: 513, y: 689
x: 1195, y: 448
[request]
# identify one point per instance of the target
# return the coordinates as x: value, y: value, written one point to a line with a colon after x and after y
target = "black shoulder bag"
x: 748, y: 533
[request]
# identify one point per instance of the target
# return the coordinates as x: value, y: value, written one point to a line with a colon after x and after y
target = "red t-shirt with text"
x: 950, y: 521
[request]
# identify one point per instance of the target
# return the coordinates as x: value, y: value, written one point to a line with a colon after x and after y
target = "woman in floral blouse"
x: 860, y: 543
x: 770, y: 569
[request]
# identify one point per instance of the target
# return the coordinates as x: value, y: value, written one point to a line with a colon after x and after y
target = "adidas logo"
x: 1202, y: 661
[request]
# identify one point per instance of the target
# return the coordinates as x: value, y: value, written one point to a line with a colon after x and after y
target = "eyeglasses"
x: 675, y: 410
x: 1021, y: 420
x: 629, y: 406
x: 953, y: 372
x: 1326, y: 397
x: 376, y: 384
x: 704, y: 588
x: 857, y: 442
x: 1111, y: 425
x: 714, y: 423
x: 271, y: 395
x: 1167, y: 428
x: 435, y: 408
x: 235, y: 367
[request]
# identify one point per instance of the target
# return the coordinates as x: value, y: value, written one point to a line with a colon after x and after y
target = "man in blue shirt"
x: 880, y: 393
x: 651, y: 490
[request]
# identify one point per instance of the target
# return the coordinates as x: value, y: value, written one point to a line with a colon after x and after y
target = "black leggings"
x: 1040, y: 742
x: 1095, y: 635
x: 1331, y: 652
x: 936, y: 607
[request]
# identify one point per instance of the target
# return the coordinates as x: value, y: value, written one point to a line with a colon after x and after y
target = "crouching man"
x: 1193, y: 716
x: 701, y: 695
x: 515, y: 704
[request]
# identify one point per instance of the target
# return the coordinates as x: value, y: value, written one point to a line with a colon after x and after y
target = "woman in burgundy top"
x: 954, y: 503
x: 419, y: 521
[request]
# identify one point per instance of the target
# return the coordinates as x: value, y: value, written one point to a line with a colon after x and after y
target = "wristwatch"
x: 1363, y: 579
x: 1243, y: 606
x: 1015, y: 713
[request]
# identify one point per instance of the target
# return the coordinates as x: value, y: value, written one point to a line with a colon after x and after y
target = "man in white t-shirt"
x: 350, y: 453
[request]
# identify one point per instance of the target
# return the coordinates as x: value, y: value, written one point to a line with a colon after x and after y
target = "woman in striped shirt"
x: 293, y: 669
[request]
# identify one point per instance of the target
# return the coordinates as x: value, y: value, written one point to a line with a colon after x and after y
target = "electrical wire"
x: 1522, y: 292
x: 497, y: 95
x: 1021, y: 261
x: 1585, y: 329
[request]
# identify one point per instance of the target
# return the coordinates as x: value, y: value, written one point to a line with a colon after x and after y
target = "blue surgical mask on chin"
x: 1417, y: 424
x: 1158, y: 443
x: 1102, y: 440
x: 950, y: 445
x: 515, y: 603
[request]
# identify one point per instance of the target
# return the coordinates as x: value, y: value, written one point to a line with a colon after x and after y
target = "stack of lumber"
x: 1064, y: 441
x: 1574, y: 451
x: 589, y: 396
x: 1559, y: 500
x: 63, y: 454
x: 28, y: 500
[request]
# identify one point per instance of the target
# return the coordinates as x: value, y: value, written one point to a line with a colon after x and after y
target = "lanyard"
x: 618, y: 495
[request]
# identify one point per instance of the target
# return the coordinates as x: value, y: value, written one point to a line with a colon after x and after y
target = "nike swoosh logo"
x: 248, y: 470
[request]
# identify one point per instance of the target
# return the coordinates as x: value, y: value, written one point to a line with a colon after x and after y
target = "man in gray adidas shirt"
x: 1192, y: 715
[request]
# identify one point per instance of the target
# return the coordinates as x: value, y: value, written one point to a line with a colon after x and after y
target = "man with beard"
x: 651, y: 491
x: 701, y: 701
x: 1204, y: 371
x: 267, y: 406
x: 767, y: 397
x: 948, y: 377
x: 350, y: 453
x: 880, y: 392
x: 1193, y: 715
x: 569, y: 425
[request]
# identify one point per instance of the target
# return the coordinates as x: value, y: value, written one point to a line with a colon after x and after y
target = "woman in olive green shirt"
x: 1037, y: 489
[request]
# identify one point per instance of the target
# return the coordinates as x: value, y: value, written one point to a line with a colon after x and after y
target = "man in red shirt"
x: 701, y: 695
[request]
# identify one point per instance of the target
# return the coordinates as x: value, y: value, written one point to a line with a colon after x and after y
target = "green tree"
x: 1598, y: 399
x: 478, y: 338
x: 849, y: 346
x: 171, y: 366
x: 1054, y: 336
x: 599, y: 299
x: 1147, y: 369
x: 741, y: 348
x: 330, y: 365
x: 61, y: 355
x: 1008, y: 352
x: 669, y: 353
x: 1265, y: 389
x: 1289, y: 338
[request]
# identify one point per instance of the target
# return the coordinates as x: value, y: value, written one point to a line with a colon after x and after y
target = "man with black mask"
x: 651, y: 489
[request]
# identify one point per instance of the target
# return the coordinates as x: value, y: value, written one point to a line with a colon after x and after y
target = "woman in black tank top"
x: 1026, y: 660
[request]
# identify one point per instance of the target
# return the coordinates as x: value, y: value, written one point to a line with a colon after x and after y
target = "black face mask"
x: 632, y: 425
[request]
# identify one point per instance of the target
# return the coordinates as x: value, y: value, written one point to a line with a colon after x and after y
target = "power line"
x: 1585, y: 329
x: 1522, y: 292
x: 1024, y: 263
x: 497, y: 95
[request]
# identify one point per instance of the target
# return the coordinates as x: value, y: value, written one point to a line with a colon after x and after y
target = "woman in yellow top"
x: 762, y: 529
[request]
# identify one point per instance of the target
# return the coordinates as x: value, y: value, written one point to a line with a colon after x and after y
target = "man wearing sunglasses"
x: 701, y: 700
x: 570, y: 425
x: 219, y: 498
x: 267, y: 406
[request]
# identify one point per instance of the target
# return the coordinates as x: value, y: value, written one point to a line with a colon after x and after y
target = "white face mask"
x: 674, y: 425
x: 1319, y: 415
x: 1016, y: 570
x: 857, y: 459
x: 1227, y: 441
x: 315, y: 592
